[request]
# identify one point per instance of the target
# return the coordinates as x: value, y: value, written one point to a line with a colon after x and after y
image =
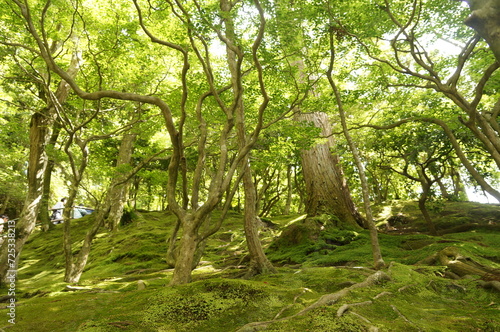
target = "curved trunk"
x: 459, y: 192
x: 289, y: 190
x: 172, y: 248
x: 426, y: 187
x: 259, y: 264
x: 44, y: 215
x: 78, y: 265
x: 187, y: 249
x: 378, y: 261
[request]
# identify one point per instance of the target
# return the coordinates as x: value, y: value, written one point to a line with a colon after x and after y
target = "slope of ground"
x: 324, y: 282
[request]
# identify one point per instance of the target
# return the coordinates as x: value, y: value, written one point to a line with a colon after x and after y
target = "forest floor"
x: 324, y: 282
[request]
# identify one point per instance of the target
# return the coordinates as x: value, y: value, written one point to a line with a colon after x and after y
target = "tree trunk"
x: 485, y: 19
x: 378, y: 261
x: 40, y: 129
x: 426, y: 187
x: 289, y: 190
x: 259, y: 264
x: 41, y: 123
x: 44, y: 214
x: 77, y: 265
x: 326, y: 188
x: 458, y: 186
x: 5, y: 203
x: 118, y: 194
x: 187, y: 249
x: 173, y: 249
x: 70, y: 274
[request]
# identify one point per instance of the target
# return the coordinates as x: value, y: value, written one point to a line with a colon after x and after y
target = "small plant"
x: 436, y: 204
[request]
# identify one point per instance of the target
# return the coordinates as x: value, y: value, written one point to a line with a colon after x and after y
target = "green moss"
x: 211, y: 305
x: 319, y: 320
x: 312, y: 242
x: 323, y: 260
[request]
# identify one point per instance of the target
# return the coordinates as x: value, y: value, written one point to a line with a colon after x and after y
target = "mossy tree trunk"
x: 39, y: 135
x: 326, y: 187
x: 426, y: 185
x: 44, y: 214
x: 119, y: 191
x: 259, y: 264
x: 40, y: 125
x: 187, y: 248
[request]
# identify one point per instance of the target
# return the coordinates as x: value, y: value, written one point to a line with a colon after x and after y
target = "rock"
x: 141, y: 285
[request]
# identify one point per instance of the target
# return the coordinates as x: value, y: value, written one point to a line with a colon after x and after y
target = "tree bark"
x: 44, y: 214
x: 378, y: 261
x: 459, y: 192
x: 326, y: 188
x: 187, y: 249
x: 258, y: 261
x: 40, y: 133
x: 40, y: 125
x: 72, y: 273
x: 119, y: 191
x: 289, y: 190
x: 485, y: 19
x: 259, y: 264
x: 423, y: 208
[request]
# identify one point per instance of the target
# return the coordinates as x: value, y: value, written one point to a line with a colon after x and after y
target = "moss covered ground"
x: 312, y: 258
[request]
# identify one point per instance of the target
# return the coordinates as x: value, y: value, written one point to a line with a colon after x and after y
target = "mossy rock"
x: 210, y: 305
x: 310, y: 237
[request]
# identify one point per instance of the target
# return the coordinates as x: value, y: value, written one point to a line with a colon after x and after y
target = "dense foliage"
x: 265, y: 108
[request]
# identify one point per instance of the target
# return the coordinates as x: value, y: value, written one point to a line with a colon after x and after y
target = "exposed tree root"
x: 490, y: 284
x: 291, y: 305
x: 382, y: 294
x: 371, y: 328
x: 346, y: 307
x: 327, y: 299
x: 468, y: 227
x: 404, y: 317
x: 460, y: 266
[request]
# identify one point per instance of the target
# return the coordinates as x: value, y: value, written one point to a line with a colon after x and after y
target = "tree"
x: 326, y: 187
x: 40, y: 132
x: 190, y: 51
x: 378, y: 261
x: 484, y: 19
x: 470, y: 79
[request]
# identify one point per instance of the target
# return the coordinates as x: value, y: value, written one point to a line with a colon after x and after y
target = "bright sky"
x: 478, y: 196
